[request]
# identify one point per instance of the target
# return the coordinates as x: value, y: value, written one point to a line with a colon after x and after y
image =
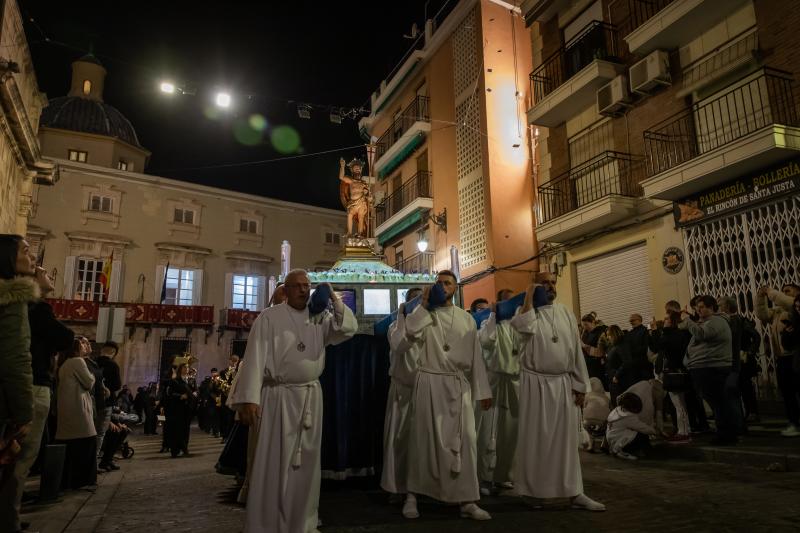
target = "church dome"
x: 84, y: 110
x: 76, y: 113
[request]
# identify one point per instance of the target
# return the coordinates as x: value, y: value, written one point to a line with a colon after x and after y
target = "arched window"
x: 87, y: 86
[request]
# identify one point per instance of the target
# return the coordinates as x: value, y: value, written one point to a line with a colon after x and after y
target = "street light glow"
x: 167, y: 87
x: 422, y: 244
x: 223, y: 99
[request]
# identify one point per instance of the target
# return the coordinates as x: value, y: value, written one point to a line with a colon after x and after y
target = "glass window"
x: 122, y: 165
x: 377, y: 301
x: 180, y: 287
x: 245, y: 292
x: 184, y: 216
x: 247, y: 225
x: 100, y: 203
x: 77, y: 155
x: 89, y: 283
x: 87, y: 86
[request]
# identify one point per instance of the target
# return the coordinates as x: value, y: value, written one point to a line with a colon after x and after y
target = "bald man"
x: 284, y: 358
x: 553, y: 383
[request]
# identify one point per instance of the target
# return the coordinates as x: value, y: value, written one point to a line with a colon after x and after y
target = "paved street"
x: 155, y: 493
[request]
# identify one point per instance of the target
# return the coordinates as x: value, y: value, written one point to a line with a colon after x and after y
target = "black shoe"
x: 24, y: 526
x: 109, y: 466
x: 163, y: 449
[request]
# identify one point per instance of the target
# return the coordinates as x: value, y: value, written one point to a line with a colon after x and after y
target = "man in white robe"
x: 450, y: 376
x: 497, y: 427
x: 279, y: 384
x: 403, y: 373
x: 553, y: 383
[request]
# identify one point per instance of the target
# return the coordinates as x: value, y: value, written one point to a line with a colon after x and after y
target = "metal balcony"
x: 587, y: 61
x: 404, y: 134
x: 404, y: 207
x: 419, y: 263
x: 599, y: 192
x: 751, y: 125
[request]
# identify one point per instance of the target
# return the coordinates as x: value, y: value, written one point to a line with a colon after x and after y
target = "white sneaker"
x: 410, y: 507
x: 471, y: 510
x: 791, y: 431
x: 507, y: 485
x: 486, y: 488
x: 582, y: 501
x: 625, y: 455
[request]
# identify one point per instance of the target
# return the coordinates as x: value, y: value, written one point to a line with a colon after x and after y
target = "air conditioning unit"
x: 650, y: 73
x: 613, y: 96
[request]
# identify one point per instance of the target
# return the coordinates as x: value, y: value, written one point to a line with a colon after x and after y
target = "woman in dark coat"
x: 17, y: 290
x: 180, y: 399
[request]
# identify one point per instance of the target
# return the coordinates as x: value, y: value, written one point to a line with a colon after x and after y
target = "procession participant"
x: 279, y: 384
x: 180, y: 399
x: 278, y: 297
x: 402, y: 371
x: 497, y: 427
x: 450, y: 376
x: 553, y: 383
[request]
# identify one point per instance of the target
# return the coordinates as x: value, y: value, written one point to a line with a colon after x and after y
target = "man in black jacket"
x: 730, y: 310
x: 48, y: 336
x: 113, y: 382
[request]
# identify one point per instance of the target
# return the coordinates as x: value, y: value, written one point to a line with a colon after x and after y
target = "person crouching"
x: 626, y: 433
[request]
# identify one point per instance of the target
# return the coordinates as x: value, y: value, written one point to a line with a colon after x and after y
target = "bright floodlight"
x: 167, y: 87
x: 223, y: 99
x: 422, y: 244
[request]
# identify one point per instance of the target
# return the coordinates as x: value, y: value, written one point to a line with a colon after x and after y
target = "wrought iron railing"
x: 417, y: 111
x: 419, y: 263
x: 636, y: 12
x: 610, y: 173
x: 598, y: 40
x: 710, y: 124
x: 418, y: 186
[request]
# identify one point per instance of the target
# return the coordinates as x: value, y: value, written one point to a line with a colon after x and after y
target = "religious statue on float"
x: 355, y: 195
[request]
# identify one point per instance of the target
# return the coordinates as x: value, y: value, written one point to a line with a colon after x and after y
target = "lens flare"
x: 285, y: 139
x: 257, y: 122
x: 244, y: 132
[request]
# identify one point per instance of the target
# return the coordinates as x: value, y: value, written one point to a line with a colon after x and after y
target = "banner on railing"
x: 739, y: 194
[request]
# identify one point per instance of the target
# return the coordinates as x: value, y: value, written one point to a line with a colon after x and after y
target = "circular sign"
x: 672, y: 260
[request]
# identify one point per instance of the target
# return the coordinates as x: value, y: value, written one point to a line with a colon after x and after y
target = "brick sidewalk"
x: 154, y: 493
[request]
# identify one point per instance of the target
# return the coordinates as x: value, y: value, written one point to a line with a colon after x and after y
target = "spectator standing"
x: 670, y: 344
x: 150, y: 401
x: 594, y: 357
x: 730, y: 310
x: 709, y: 363
x: 611, y: 344
x: 17, y: 290
x: 113, y: 384
x: 774, y: 318
x: 48, y: 336
x: 76, y: 428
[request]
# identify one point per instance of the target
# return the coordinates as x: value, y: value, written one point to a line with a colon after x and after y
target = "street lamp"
x: 422, y: 241
x: 167, y: 87
x: 223, y: 99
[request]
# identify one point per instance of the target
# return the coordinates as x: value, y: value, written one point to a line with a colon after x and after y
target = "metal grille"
x: 469, y: 153
x: 466, y: 66
x: 737, y: 254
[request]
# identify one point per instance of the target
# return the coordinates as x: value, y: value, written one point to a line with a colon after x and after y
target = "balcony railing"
x: 418, y: 186
x: 419, y: 263
x: 764, y: 100
x: 610, y: 173
x: 598, y: 40
x: 638, y: 12
x: 417, y: 111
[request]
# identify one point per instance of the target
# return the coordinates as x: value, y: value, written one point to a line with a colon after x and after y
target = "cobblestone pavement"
x: 156, y: 493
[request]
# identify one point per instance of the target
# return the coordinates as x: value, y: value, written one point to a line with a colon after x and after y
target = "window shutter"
x: 115, y: 290
x: 69, y: 277
x: 161, y: 272
x: 262, y: 292
x: 228, y: 290
x: 197, y: 289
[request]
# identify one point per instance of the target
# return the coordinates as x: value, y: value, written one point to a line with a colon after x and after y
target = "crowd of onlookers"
x: 56, y: 388
x: 707, y: 353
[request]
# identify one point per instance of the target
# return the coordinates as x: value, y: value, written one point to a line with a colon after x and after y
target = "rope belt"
x: 455, y: 467
x: 306, y: 420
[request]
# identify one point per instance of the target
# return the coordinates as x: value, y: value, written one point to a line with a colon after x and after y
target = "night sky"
x: 318, y: 52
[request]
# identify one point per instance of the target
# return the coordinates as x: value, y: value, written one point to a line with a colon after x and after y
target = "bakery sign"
x: 740, y: 193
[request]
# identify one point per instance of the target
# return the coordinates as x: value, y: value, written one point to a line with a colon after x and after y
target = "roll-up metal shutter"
x: 615, y: 285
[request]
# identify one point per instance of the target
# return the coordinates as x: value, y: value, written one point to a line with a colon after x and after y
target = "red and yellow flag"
x: 105, y: 276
